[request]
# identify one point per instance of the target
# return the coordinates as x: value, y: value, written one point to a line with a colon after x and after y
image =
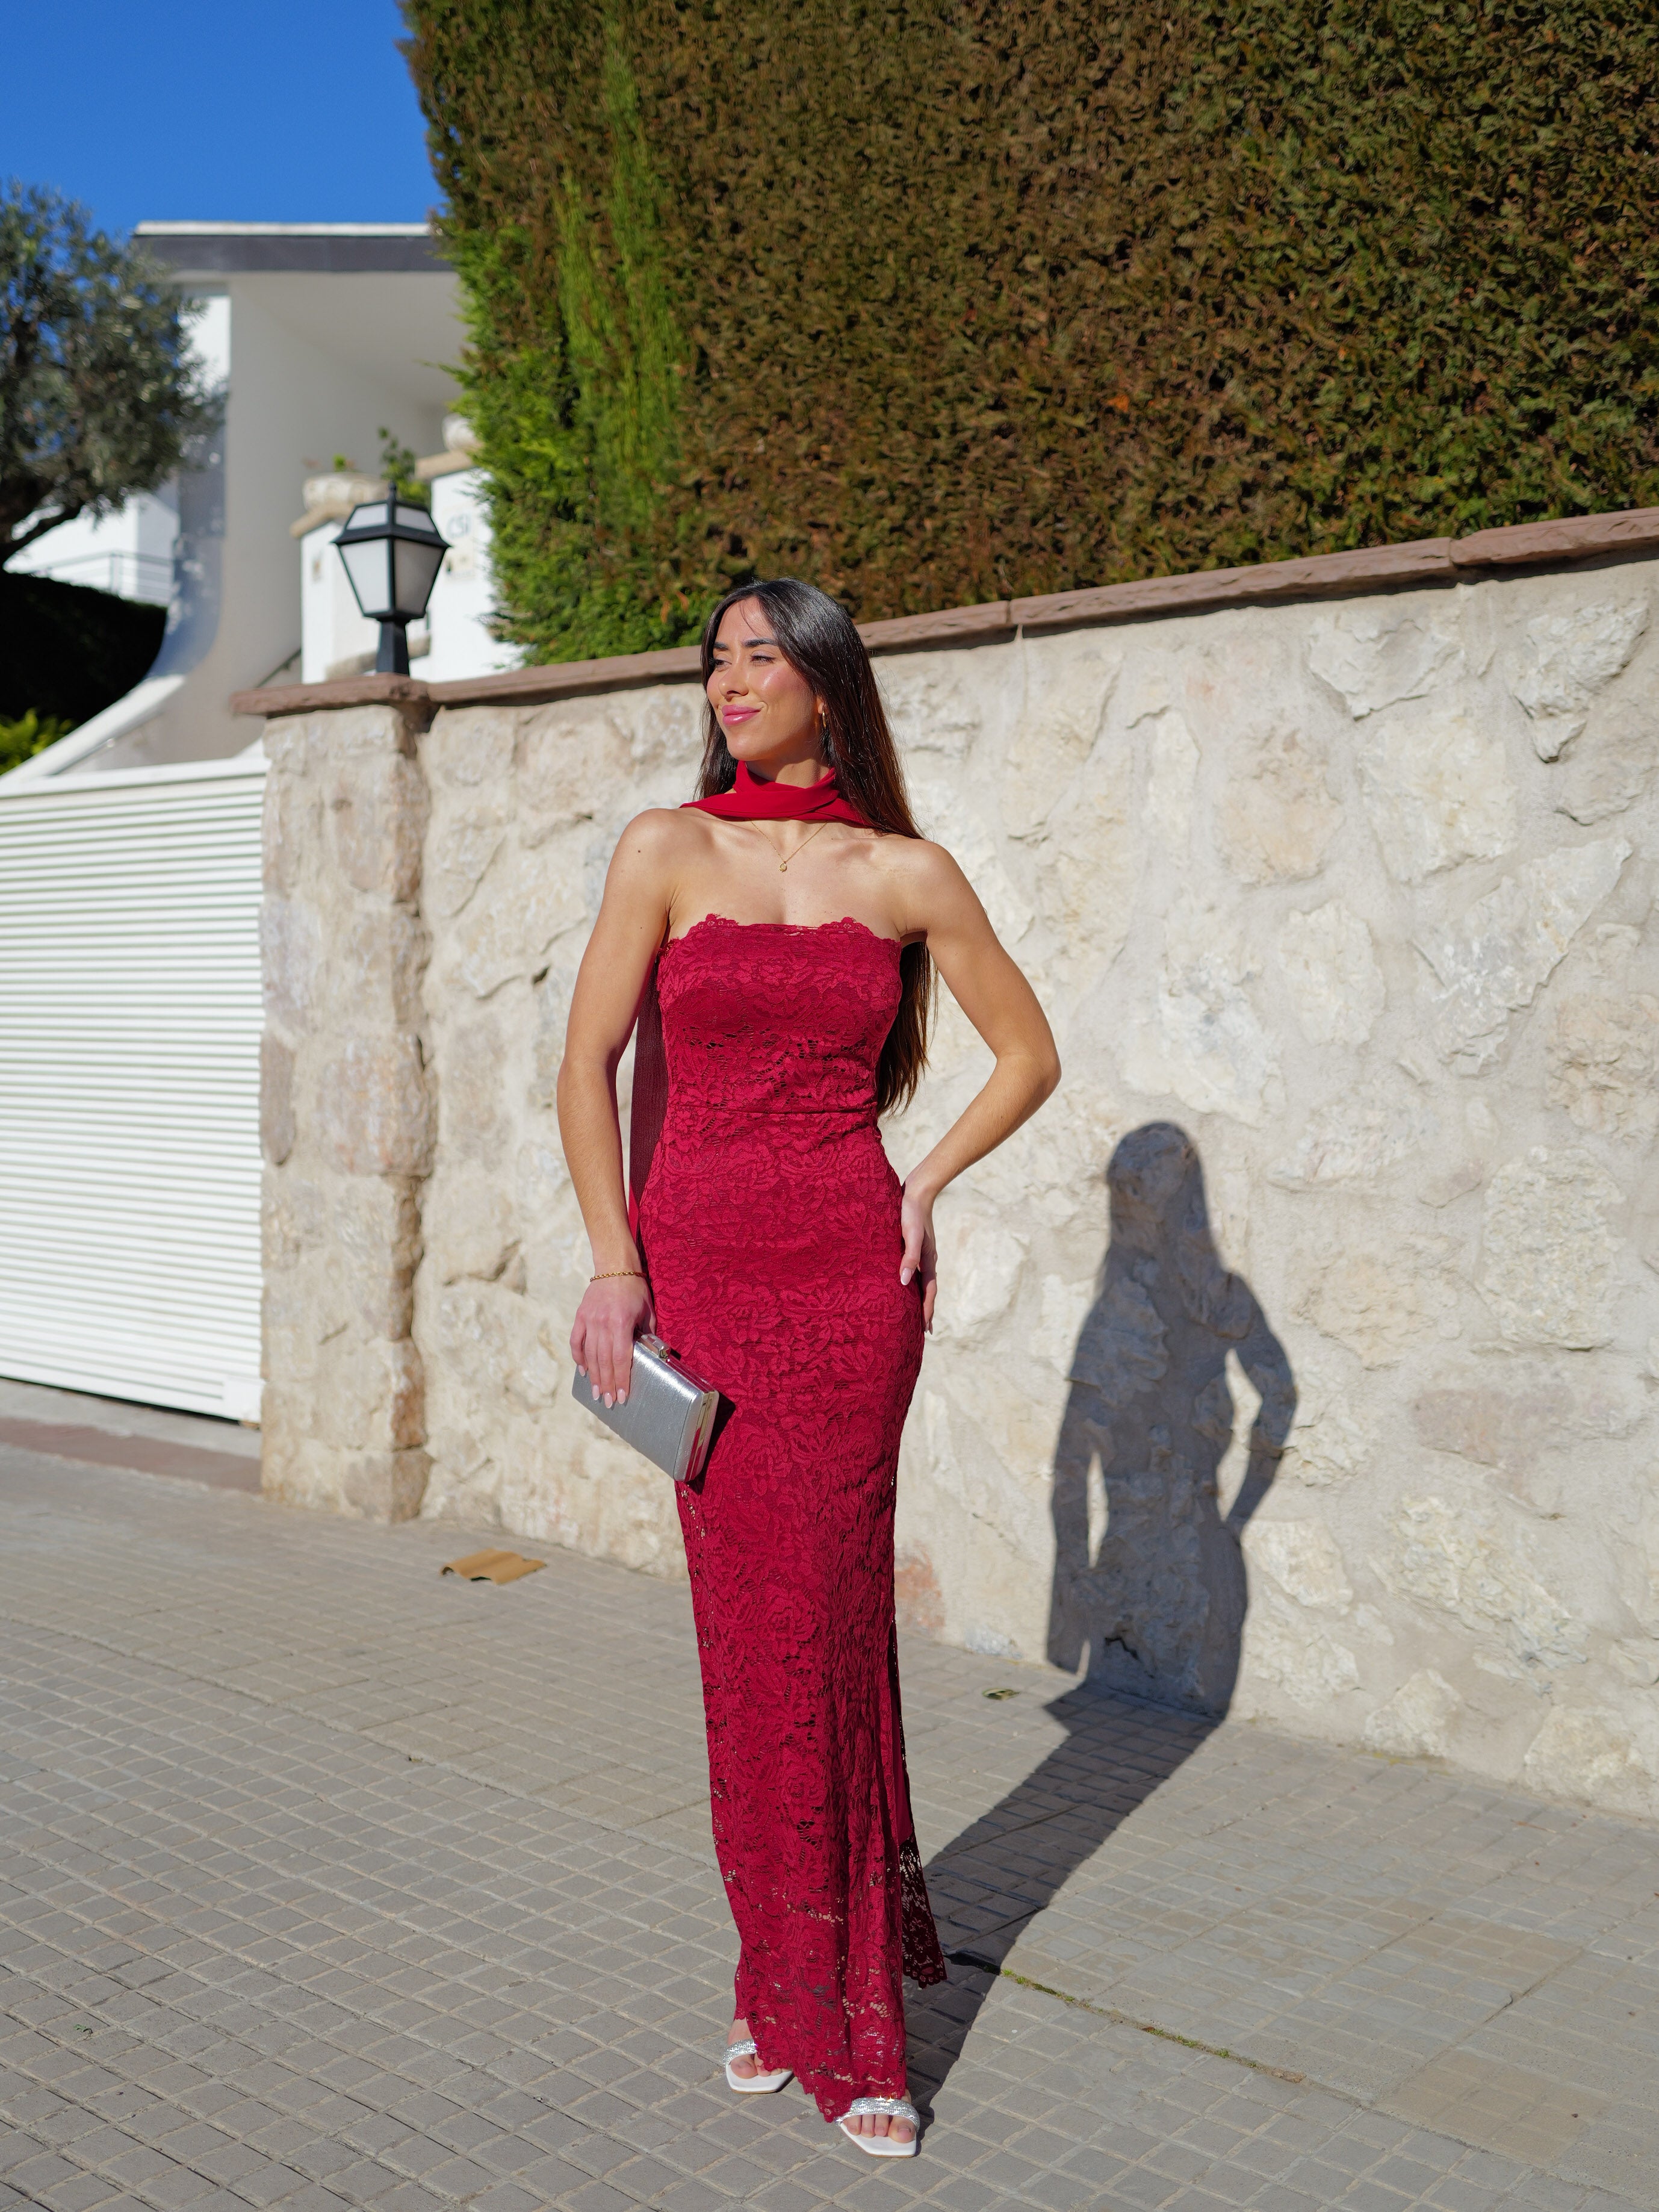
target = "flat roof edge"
x: 281, y: 230
x: 197, y: 250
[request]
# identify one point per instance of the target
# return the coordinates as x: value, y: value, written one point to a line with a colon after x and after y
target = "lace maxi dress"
x: 770, y: 1228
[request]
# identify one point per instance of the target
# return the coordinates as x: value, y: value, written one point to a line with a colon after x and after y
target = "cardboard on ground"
x: 491, y: 1567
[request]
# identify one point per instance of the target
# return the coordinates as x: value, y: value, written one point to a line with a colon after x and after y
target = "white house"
x: 322, y: 334
x: 129, y: 553
x: 456, y: 639
x: 129, y: 873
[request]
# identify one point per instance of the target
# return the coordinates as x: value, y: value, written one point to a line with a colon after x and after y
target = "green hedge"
x: 66, y: 653
x: 937, y: 303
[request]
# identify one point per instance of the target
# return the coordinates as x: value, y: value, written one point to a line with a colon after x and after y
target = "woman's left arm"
x: 1002, y: 1007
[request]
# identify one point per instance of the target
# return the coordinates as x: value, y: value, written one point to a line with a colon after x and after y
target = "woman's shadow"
x: 1149, y: 1592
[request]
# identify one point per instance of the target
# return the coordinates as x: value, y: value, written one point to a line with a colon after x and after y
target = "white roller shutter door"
x: 130, y: 1018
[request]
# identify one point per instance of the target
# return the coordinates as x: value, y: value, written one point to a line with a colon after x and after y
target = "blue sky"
x: 245, y: 111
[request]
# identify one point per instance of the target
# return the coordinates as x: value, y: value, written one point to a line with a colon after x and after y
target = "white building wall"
x: 463, y: 601
x: 332, y: 630
x: 129, y: 552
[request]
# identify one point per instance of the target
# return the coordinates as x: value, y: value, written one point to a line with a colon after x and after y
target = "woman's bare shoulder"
x: 663, y: 825
x: 923, y: 868
x: 659, y: 837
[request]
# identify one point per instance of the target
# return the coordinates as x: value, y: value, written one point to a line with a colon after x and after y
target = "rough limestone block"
x: 465, y: 841
x: 1170, y: 785
x: 1302, y: 1558
x: 1206, y: 1044
x: 372, y: 1112
x: 930, y: 703
x: 1375, y: 655
x: 368, y: 1394
x: 1330, y: 968
x: 293, y: 1219
x: 1277, y: 814
x: 275, y: 1099
x: 1491, y: 963
x: 470, y: 747
x: 1064, y: 717
x: 1591, y: 1755
x: 1566, y: 660
x: 1604, y: 1064
x: 1611, y: 766
x: 1548, y: 1254
x: 291, y: 938
x: 469, y: 1224
x: 1354, y: 1137
x: 571, y: 758
x: 377, y: 820
x: 1334, y: 1438
x: 525, y: 901
x: 1438, y: 791
x: 376, y: 964
x: 1469, y: 1565
x: 1417, y: 1720
x: 288, y: 829
x: 476, y: 1124
x: 1283, y: 1648
x: 954, y: 814
x: 384, y: 1485
x: 1381, y: 1299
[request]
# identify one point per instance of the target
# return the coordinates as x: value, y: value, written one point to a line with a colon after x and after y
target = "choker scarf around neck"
x: 751, y: 801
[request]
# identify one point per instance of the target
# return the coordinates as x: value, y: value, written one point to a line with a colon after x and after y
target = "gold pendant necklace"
x: 783, y: 866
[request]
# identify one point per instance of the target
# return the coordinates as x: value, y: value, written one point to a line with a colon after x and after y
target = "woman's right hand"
x: 612, y: 1313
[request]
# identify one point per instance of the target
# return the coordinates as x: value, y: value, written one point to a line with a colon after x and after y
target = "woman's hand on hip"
x: 611, y: 1315
x: 920, y: 1256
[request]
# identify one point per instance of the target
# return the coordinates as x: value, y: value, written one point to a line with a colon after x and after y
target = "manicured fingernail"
x: 905, y: 1273
x: 609, y: 1399
x: 622, y: 1397
x: 596, y: 1394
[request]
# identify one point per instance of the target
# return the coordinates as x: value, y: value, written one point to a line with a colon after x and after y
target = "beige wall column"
x: 346, y: 1114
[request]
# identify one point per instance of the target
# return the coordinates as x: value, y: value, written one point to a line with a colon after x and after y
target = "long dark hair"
x: 817, y: 638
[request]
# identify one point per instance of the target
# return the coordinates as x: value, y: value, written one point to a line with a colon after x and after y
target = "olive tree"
x: 100, y: 392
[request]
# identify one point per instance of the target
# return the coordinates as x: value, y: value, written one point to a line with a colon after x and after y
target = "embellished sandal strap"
x: 896, y: 2108
x: 745, y: 2050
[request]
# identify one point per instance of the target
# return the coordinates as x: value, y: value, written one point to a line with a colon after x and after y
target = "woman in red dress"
x: 791, y: 920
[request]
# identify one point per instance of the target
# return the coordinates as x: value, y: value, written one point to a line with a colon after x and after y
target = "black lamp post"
x: 392, y: 553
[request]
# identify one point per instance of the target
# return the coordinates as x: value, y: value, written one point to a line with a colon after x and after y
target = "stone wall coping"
x: 1321, y: 576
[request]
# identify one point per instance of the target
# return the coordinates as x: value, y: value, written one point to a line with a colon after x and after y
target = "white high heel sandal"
x: 753, y: 2085
x: 896, y: 2108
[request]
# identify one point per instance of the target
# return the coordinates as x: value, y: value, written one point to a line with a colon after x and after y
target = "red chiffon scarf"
x: 749, y: 800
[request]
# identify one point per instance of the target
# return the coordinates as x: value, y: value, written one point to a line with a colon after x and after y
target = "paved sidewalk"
x: 328, y: 1883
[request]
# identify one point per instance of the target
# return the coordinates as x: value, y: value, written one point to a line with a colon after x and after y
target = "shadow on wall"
x: 1149, y: 1579
x: 1150, y: 1592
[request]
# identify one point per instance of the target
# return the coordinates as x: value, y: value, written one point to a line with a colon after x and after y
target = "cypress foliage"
x: 940, y: 300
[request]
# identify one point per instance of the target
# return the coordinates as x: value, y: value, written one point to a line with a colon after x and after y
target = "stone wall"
x: 1343, y: 1223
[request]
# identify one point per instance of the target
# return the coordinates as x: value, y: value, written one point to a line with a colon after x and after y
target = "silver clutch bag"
x: 668, y: 1415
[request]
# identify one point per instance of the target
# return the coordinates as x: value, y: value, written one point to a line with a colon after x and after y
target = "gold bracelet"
x: 614, y: 1274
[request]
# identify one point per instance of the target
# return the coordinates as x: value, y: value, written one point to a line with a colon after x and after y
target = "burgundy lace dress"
x: 770, y: 1221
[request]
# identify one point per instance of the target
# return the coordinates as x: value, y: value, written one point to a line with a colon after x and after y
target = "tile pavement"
x: 327, y: 1883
